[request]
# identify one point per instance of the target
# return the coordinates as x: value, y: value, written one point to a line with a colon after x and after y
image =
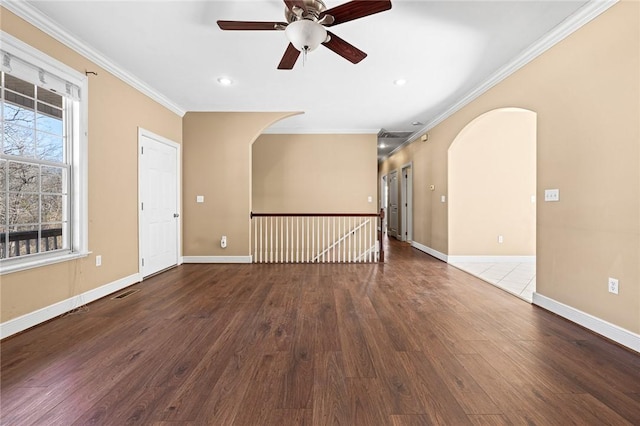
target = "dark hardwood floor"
x: 411, y: 342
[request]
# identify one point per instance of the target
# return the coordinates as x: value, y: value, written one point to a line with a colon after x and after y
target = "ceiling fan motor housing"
x: 313, y: 10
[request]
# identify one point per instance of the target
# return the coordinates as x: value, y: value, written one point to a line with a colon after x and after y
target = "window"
x: 42, y: 159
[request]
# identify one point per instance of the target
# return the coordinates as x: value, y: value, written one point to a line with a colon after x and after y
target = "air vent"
x: 126, y: 294
x: 386, y: 134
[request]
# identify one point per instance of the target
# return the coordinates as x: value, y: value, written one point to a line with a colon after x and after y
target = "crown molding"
x: 584, y: 15
x: 297, y: 131
x: 44, y: 23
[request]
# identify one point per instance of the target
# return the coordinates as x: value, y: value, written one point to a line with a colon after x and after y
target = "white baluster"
x: 260, y: 248
x: 339, y: 238
x: 359, y: 252
x: 369, y: 239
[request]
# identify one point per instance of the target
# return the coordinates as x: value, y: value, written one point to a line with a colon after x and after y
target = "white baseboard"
x: 492, y: 259
x: 34, y: 318
x: 430, y: 251
x: 217, y: 259
x: 618, y: 334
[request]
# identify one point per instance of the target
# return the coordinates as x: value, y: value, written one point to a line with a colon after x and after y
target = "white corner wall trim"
x: 217, y: 259
x: 34, y: 318
x: 587, y: 13
x: 492, y: 259
x: 33, y: 16
x: 430, y: 251
x: 618, y: 334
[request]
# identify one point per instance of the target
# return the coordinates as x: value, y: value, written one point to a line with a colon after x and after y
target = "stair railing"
x: 317, y: 237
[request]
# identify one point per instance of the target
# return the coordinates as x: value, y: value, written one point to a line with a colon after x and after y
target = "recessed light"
x: 382, y: 146
x: 400, y: 82
x: 416, y: 123
x: 225, y: 81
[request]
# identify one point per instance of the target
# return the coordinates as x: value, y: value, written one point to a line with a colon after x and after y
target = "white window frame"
x: 78, y: 193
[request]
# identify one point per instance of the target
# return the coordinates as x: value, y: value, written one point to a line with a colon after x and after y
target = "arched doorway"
x: 492, y: 212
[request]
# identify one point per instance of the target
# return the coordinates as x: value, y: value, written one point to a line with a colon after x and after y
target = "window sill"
x: 25, y: 265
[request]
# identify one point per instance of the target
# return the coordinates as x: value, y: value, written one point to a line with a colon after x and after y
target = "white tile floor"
x: 516, y: 278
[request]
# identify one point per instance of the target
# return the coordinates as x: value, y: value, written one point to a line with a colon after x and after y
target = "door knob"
x: 176, y: 215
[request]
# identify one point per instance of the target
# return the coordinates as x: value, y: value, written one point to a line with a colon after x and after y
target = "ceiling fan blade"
x: 354, y: 10
x: 289, y: 58
x: 344, y: 49
x: 248, y: 25
x: 299, y: 3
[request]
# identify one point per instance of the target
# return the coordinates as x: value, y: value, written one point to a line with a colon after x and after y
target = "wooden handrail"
x: 314, y: 215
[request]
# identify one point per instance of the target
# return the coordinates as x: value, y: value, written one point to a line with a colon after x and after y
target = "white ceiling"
x: 444, y: 49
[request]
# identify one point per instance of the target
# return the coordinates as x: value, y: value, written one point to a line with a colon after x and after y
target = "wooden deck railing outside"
x: 29, y: 242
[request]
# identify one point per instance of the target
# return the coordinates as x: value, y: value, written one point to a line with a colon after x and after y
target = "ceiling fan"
x: 305, y: 27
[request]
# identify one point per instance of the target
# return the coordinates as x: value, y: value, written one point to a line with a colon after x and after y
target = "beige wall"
x: 115, y: 112
x: 492, y: 177
x: 315, y: 174
x: 217, y: 164
x: 586, y: 92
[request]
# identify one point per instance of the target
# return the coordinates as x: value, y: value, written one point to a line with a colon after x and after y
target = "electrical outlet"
x: 223, y: 241
x: 500, y: 239
x: 613, y: 285
x: 98, y: 260
x: 552, y: 195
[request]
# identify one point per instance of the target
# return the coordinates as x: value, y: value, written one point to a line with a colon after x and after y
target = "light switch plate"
x: 551, y: 195
x: 200, y: 199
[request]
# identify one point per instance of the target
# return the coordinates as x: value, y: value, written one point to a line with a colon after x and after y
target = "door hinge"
x: 143, y: 261
x: 141, y: 206
x: 142, y: 150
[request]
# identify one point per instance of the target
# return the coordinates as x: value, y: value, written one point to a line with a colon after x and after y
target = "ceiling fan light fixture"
x: 306, y: 35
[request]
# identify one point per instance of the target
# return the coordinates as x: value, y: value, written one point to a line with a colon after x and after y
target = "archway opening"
x: 492, y: 211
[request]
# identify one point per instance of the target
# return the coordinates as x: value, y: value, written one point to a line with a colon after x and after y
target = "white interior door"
x: 159, y: 203
x: 406, y: 224
x: 393, y: 204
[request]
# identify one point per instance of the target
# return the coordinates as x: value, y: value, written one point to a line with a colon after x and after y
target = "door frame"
x: 389, y: 176
x: 160, y: 139
x: 406, y: 202
x: 384, y: 201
